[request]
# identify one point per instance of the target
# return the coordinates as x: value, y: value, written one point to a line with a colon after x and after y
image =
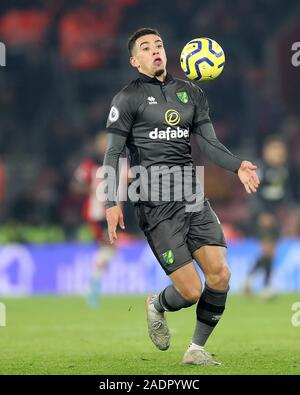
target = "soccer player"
x: 93, y: 212
x: 267, y: 232
x: 269, y: 207
x: 154, y: 116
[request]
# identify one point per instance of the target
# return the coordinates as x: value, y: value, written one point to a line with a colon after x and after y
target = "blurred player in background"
x: 268, y: 209
x: 93, y: 213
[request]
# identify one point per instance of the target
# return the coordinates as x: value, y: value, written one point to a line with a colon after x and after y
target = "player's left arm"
x: 220, y: 155
x: 210, y: 145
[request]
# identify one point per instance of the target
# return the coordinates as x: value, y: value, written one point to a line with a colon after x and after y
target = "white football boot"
x: 198, y: 356
x: 157, y: 325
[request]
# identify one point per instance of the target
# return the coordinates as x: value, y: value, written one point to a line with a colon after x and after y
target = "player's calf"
x: 209, y: 311
x: 210, y: 308
x: 172, y: 300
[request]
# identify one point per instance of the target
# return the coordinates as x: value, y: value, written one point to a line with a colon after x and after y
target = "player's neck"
x: 160, y: 78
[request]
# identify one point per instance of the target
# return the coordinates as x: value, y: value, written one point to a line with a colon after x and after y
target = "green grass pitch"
x: 61, y: 335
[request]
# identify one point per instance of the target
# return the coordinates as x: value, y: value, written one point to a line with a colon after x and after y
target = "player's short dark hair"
x: 143, y: 31
x: 274, y: 138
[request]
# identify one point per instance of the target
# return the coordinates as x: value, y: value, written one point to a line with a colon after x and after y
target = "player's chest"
x: 165, y: 105
x: 275, y: 176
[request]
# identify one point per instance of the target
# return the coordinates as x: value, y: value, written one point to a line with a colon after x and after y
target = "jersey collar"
x: 153, y: 80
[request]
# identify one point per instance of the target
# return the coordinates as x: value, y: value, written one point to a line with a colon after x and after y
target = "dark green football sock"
x: 210, y: 308
x: 170, y: 300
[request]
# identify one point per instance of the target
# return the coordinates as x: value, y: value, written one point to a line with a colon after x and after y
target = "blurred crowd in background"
x: 67, y: 59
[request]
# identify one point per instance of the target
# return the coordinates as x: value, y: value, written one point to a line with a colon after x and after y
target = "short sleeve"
x: 201, y: 113
x: 121, y: 114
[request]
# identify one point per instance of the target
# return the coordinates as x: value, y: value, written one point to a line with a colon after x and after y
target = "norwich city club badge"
x: 169, y: 257
x: 183, y: 97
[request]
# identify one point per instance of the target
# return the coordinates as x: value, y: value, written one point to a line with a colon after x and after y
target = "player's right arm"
x: 114, y: 215
x: 119, y: 125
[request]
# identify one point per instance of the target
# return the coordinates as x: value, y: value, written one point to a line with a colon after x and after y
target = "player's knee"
x: 220, y: 278
x: 192, y: 294
x: 225, y: 276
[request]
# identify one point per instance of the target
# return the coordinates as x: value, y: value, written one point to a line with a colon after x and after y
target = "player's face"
x: 149, y: 56
x: 275, y: 153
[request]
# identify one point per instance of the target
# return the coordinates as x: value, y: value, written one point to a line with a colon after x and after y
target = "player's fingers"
x: 256, y: 179
x: 253, y: 181
x: 252, y: 185
x: 247, y: 187
x: 112, y: 225
x: 121, y: 222
x: 112, y: 236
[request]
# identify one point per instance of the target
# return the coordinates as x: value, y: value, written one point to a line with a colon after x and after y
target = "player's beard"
x: 159, y: 72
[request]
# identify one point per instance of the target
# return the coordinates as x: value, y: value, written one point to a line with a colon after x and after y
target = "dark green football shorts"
x: 174, y: 234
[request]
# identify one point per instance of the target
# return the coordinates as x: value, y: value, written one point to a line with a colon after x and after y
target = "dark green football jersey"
x: 158, y: 119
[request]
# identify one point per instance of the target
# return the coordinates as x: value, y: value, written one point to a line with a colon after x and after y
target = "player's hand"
x: 248, y: 176
x: 114, y: 216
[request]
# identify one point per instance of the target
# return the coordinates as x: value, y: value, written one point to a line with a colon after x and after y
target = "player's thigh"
x: 187, y: 282
x: 210, y: 258
x: 205, y: 229
x: 207, y: 242
x: 166, y: 236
